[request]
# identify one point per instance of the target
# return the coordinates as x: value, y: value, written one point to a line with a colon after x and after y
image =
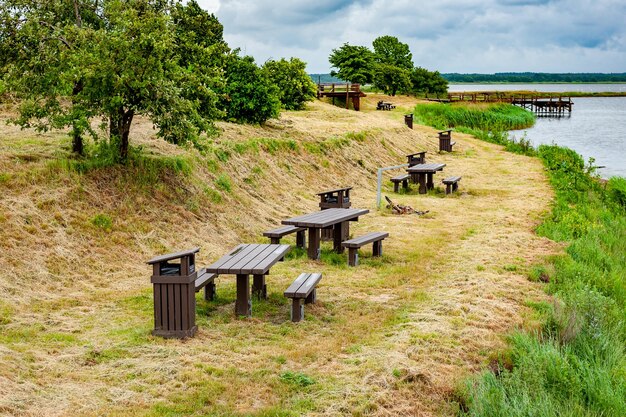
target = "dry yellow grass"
x: 391, y: 337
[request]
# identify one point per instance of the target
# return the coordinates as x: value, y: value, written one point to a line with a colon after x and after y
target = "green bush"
x: 617, y: 190
x: 249, y: 96
x: 295, y: 87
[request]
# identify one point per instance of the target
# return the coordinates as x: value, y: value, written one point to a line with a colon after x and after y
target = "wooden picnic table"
x: 245, y: 260
x: 336, y: 218
x: 422, y: 174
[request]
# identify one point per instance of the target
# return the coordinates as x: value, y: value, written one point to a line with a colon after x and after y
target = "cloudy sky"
x: 466, y: 36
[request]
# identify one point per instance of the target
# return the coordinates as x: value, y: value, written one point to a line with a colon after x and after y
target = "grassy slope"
x: 391, y: 337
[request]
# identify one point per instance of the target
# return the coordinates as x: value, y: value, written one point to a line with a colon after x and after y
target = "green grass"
x: 576, y: 364
x: 487, y: 122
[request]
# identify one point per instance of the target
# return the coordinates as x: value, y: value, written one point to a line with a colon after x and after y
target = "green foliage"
x: 489, y: 123
x: 223, y: 183
x: 249, y: 95
x: 392, y: 79
x: 115, y: 59
x: 428, y: 82
x: 295, y: 87
x: 577, y: 364
x: 617, y: 190
x: 297, y: 378
x: 102, y: 221
x: 354, y: 64
x: 536, y: 77
x: 390, y: 51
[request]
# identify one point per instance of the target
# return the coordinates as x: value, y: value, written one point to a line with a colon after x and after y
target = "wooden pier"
x: 347, y: 91
x: 542, y: 105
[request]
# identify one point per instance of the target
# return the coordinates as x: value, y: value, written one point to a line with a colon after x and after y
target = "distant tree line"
x: 536, y: 77
x: 70, y: 62
x: 389, y: 67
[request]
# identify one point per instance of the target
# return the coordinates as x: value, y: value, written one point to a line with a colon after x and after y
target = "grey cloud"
x: 449, y: 35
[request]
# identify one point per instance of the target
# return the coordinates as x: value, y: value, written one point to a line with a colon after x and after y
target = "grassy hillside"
x: 391, y: 337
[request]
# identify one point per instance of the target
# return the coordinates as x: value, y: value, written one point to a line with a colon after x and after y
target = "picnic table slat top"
x: 334, y: 191
x: 246, y: 259
x: 325, y: 218
x: 175, y: 255
x: 431, y: 167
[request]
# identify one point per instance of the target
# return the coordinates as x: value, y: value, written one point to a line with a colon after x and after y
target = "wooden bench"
x: 207, y: 281
x: 353, y: 245
x: 445, y: 141
x: 452, y: 184
x: 302, y: 289
x: 276, y: 234
x: 404, y: 179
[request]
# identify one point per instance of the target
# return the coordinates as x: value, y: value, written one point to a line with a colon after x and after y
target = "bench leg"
x: 395, y: 186
x: 448, y: 188
x: 455, y: 187
x: 353, y: 256
x: 297, y: 310
x: 405, y: 184
x: 209, y: 292
x: 301, y: 239
x: 430, y: 184
x: 275, y: 240
x: 378, y: 248
x: 243, y: 305
x: 314, y: 243
x: 259, y: 289
x: 311, y: 298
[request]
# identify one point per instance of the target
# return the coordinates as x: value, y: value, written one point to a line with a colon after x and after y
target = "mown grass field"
x: 395, y: 336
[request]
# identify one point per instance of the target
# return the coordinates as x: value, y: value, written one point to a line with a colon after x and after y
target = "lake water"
x: 596, y: 127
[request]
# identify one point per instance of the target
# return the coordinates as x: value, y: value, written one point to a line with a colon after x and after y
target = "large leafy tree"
x: 37, y: 40
x: 389, y: 50
x: 295, y: 87
x: 116, y: 59
x: 428, y: 82
x: 249, y: 96
x: 354, y: 64
x: 392, y: 79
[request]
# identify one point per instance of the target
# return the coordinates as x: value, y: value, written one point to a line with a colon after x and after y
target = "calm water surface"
x: 596, y: 127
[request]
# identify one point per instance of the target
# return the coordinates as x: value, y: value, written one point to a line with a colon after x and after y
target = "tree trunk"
x: 119, y: 131
x: 77, y: 141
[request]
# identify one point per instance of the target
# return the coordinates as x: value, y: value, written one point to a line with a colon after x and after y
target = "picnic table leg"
x: 314, y: 243
x: 430, y: 184
x: 243, y: 305
x: 421, y: 178
x: 259, y: 289
x: 338, y: 233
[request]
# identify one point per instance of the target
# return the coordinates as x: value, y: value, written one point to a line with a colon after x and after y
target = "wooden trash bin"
x: 173, y: 279
x: 445, y: 141
x: 416, y: 158
x: 408, y: 120
x: 339, y: 198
